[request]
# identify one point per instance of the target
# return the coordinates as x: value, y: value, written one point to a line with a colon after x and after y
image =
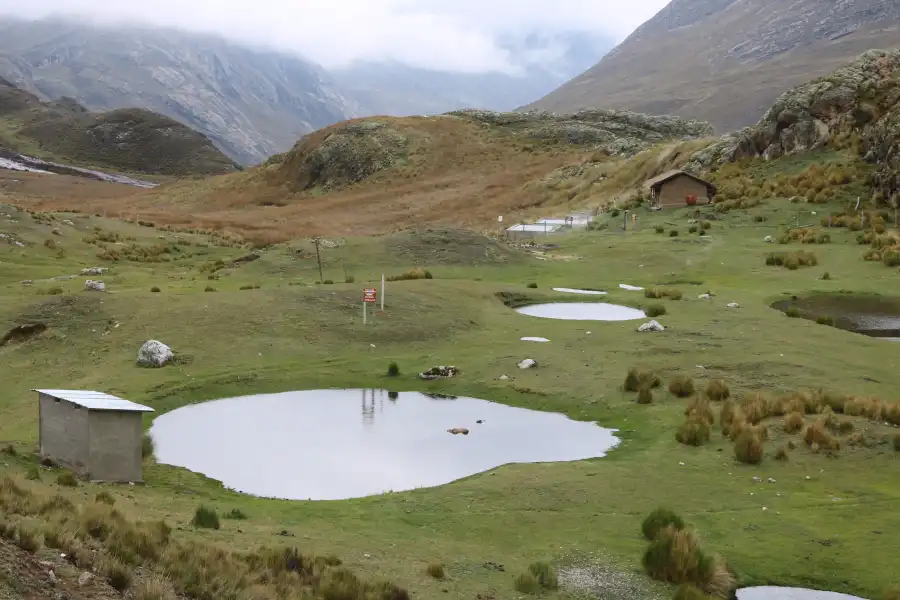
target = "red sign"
x: 369, y: 295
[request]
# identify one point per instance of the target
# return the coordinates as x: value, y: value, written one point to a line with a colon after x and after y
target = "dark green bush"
x: 205, y: 518
x: 658, y: 520
x: 393, y: 370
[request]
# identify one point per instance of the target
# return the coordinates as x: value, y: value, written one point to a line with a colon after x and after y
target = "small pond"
x: 875, y: 316
x: 534, y: 339
x: 582, y: 311
x: 631, y: 288
x: 784, y: 593
x: 337, y: 444
x: 576, y: 291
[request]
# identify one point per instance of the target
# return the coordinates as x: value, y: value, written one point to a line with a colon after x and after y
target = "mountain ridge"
x: 726, y: 61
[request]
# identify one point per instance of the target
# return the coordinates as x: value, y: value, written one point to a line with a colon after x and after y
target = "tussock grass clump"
x: 67, y: 479
x: 249, y: 286
x: 706, y: 225
x: 658, y: 293
x: 105, y: 497
x: 748, y: 448
x: 793, y: 312
x: 435, y: 570
x: 236, y: 514
x: 688, y: 591
x: 756, y: 407
x: 645, y: 395
x: 794, y: 422
x: 655, y: 310
x: 792, y: 260
x: 393, y: 370
x: 717, y: 390
x: 28, y: 539
x: 118, y: 575
x: 532, y: 286
x: 781, y: 453
x: 155, y: 588
x: 155, y: 289
x: 209, y: 288
x: 897, y: 442
x: 417, y: 273
x: 816, y: 434
x: 658, y: 520
x: 675, y: 556
x: 673, y: 233
x: 545, y: 575
x: 682, y: 386
x: 9, y: 450
x: 659, y: 229
x: 635, y: 379
x: 825, y: 320
x: 892, y: 594
x: 205, y: 518
x: 729, y: 413
x: 526, y: 583
x: 701, y: 409
x: 147, y: 446
x: 693, y: 432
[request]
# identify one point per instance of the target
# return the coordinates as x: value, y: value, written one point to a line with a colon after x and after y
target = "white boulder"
x: 94, y: 271
x: 704, y: 297
x: 93, y: 285
x: 733, y: 305
x: 769, y: 239
x: 154, y: 354
x: 528, y: 363
x: 651, y: 326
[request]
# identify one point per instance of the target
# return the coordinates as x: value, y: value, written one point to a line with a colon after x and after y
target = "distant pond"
x: 785, y: 593
x: 875, y: 316
x: 337, y: 444
x: 582, y: 311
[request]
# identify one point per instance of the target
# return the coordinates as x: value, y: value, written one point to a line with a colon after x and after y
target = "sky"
x: 454, y: 35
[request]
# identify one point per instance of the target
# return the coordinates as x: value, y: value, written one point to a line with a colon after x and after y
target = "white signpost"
x: 382, y: 292
x: 369, y: 296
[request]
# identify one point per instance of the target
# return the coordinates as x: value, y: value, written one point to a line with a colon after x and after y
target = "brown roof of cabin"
x: 657, y: 181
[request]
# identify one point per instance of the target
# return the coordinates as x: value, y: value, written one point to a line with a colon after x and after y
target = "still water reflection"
x: 334, y: 444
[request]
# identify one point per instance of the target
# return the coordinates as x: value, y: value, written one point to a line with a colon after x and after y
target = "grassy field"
x: 824, y: 522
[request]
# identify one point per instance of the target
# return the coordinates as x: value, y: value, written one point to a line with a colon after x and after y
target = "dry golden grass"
x: 794, y: 422
x: 816, y: 435
x: 463, y: 176
x: 701, y: 409
x: 717, y: 390
x: 748, y: 448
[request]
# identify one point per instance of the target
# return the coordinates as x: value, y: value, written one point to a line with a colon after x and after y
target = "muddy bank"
x: 871, y: 315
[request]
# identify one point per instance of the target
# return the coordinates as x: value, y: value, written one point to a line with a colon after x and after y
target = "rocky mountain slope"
x: 726, y: 61
x: 857, y: 106
x: 250, y: 103
x: 131, y: 140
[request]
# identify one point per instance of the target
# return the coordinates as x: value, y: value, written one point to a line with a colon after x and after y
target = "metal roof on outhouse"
x: 95, y: 400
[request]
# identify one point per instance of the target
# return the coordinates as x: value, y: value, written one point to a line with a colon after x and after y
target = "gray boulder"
x: 93, y: 285
x: 651, y: 326
x: 528, y: 363
x: 154, y: 354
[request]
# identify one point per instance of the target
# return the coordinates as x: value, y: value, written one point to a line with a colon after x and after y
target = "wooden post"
x: 319, y: 261
x: 365, y: 311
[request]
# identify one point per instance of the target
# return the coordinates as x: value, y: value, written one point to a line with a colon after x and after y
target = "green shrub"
x: 67, y: 479
x: 417, y: 273
x: 693, y: 229
x: 673, y: 233
x: 759, y: 218
x: 681, y: 386
x: 706, y: 225
x: 793, y: 312
x: 532, y: 285
x: 118, y: 575
x: 897, y: 442
x: 656, y: 310
x: 658, y: 520
x: 33, y: 474
x: 328, y: 282
x: 205, y: 518
x: 236, y: 514
x: 349, y: 279
x: 435, y: 570
x: 155, y: 289
x: 660, y: 229
x: 825, y: 320
x: 147, y: 446
x: 615, y: 212
x: 674, y: 556
x: 209, y: 288
x: 526, y: 583
x: 717, y: 390
x: 9, y: 450
x: 781, y: 453
x: 702, y: 232
x: 393, y: 370
x: 826, y: 276
x: 545, y: 575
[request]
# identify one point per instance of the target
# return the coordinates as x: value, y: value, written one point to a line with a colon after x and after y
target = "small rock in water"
x: 528, y: 363
x: 651, y: 326
x: 93, y: 285
x: 154, y: 354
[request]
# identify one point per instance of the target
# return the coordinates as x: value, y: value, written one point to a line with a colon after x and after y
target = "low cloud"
x: 454, y: 35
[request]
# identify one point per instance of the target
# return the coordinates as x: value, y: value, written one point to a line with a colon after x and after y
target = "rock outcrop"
x: 856, y: 106
x: 154, y: 354
x: 439, y: 373
x: 93, y: 285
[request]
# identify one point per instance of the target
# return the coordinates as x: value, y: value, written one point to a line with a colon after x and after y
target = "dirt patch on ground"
x: 446, y: 246
x: 22, y: 333
x: 26, y: 576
